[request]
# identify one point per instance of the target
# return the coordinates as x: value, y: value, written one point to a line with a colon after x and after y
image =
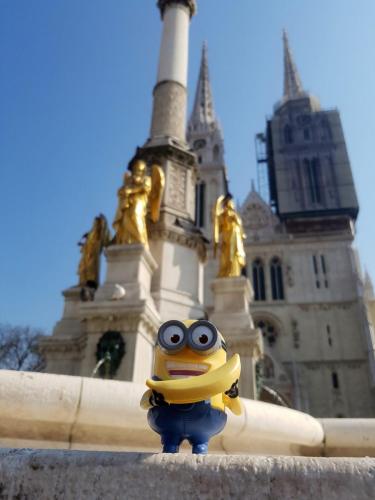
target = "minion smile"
x: 182, y: 370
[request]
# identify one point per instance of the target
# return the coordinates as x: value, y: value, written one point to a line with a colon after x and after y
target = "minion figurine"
x: 192, y: 385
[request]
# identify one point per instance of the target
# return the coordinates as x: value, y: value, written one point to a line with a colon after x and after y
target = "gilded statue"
x: 229, y: 237
x: 139, y: 193
x: 92, y: 244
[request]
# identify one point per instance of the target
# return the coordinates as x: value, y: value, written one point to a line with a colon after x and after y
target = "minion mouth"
x: 182, y: 370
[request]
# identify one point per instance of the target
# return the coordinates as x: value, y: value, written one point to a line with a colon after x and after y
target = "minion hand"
x: 233, y: 391
x: 157, y: 399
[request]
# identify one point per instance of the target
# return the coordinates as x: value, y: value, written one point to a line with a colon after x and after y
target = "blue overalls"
x: 196, y: 422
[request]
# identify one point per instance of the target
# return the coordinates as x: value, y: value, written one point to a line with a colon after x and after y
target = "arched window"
x: 269, y: 331
x: 258, y: 280
x: 200, y: 197
x: 313, y: 176
x: 277, y: 284
x: 335, y: 380
x: 288, y: 134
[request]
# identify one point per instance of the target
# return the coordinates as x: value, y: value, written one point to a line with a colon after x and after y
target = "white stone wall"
x: 321, y: 330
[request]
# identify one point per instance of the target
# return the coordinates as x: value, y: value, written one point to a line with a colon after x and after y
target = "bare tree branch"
x: 19, y: 348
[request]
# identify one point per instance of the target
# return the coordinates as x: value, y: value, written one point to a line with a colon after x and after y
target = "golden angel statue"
x: 139, y: 193
x: 229, y: 236
x: 92, y: 244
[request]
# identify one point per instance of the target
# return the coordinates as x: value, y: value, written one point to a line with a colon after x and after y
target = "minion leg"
x: 171, y: 443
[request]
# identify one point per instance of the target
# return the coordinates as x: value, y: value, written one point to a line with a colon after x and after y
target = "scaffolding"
x: 262, y: 166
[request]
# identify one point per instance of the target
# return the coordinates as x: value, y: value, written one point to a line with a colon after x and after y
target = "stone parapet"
x: 44, y: 475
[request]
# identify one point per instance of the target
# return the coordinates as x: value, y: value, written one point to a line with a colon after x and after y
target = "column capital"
x: 191, y: 4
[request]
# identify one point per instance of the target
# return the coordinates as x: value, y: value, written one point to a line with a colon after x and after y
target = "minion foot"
x: 200, y: 449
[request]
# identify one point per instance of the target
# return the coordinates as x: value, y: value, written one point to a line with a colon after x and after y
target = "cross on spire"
x: 292, y: 81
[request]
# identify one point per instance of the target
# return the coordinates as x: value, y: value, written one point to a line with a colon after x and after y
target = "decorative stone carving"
x: 177, y: 187
x: 169, y: 112
x: 255, y: 217
x: 189, y: 240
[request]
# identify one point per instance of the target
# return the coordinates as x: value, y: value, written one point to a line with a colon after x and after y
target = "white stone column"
x: 170, y: 93
x: 232, y: 317
x: 174, y: 49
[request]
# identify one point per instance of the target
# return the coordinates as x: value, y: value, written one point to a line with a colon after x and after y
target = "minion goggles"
x: 202, y: 337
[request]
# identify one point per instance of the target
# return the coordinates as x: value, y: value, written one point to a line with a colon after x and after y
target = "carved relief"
x: 255, y: 217
x: 169, y: 115
x: 177, y: 187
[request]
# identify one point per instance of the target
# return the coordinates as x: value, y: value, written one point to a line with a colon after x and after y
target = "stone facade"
x: 309, y: 300
x: 315, y: 330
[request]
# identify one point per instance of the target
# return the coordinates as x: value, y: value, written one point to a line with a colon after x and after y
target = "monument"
x: 156, y: 258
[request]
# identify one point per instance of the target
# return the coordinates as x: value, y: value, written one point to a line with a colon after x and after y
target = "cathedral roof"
x: 257, y: 214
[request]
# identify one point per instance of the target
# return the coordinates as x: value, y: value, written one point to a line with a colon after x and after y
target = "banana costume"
x: 192, y: 385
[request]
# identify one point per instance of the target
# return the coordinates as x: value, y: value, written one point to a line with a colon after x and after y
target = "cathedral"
x: 300, y: 315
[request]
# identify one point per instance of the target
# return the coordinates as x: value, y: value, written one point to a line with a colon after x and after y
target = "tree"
x: 19, y: 348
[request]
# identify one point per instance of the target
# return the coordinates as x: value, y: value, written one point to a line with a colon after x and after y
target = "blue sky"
x: 76, y: 79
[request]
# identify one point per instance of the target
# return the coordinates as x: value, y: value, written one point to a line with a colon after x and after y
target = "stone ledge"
x: 44, y: 475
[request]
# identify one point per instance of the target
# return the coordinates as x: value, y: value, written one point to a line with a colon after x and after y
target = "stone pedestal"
x: 232, y: 317
x: 131, y: 313
x: 63, y: 350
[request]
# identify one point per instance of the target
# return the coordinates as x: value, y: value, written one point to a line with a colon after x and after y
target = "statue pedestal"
x: 131, y: 267
x: 63, y: 349
x: 232, y: 317
x: 132, y: 314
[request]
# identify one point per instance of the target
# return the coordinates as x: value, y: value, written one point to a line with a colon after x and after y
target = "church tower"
x: 310, y: 176
x: 206, y: 139
x: 319, y: 349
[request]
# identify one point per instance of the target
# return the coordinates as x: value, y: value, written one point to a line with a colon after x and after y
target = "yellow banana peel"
x: 200, y: 388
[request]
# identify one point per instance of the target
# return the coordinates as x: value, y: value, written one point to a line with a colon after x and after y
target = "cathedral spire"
x: 203, y: 110
x: 292, y: 81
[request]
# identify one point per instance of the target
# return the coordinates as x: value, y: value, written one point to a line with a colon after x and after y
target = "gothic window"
x: 216, y: 152
x: 200, y: 197
x: 329, y: 336
x: 335, y: 380
x: 277, y: 284
x: 269, y: 331
x: 258, y: 280
x: 313, y: 170
x: 324, y: 269
x: 288, y: 134
x: 316, y: 271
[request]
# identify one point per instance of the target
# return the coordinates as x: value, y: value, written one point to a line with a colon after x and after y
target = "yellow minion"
x: 192, y: 385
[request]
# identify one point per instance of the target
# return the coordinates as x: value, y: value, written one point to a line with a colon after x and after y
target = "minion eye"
x: 171, y: 336
x: 204, y: 337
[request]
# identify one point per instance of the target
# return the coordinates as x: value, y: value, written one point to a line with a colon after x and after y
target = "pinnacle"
x: 203, y: 110
x: 292, y: 81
